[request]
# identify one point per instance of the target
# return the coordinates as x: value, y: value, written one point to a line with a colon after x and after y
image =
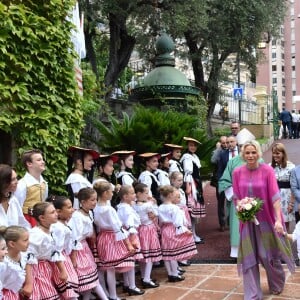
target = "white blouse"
x: 127, y: 178
x: 43, y: 246
x: 106, y: 218
x: 171, y: 213
x: 82, y: 227
x: 13, y: 273
x: 163, y: 177
x: 14, y: 214
x: 174, y: 165
x: 77, y: 182
x: 129, y: 217
x: 64, y: 237
x: 187, y: 161
x: 146, y: 177
x: 143, y: 211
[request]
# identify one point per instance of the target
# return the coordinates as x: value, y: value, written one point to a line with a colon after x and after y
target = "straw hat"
x: 92, y: 152
x: 173, y: 146
x: 113, y: 157
x: 244, y: 136
x: 164, y: 155
x: 189, y: 139
x: 149, y: 155
x: 124, y: 152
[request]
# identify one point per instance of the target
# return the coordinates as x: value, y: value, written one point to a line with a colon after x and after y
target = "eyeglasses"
x: 234, y: 128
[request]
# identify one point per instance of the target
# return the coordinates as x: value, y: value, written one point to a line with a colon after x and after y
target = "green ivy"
x: 40, y: 106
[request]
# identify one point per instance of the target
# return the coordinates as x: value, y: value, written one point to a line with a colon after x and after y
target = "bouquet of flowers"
x: 247, y: 208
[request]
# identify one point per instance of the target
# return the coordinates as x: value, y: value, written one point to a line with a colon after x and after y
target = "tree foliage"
x: 149, y: 129
x: 40, y: 106
x: 209, y: 31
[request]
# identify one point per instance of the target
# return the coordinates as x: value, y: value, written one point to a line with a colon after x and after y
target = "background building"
x: 280, y: 70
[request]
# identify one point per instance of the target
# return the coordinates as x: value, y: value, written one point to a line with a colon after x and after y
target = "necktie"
x: 232, y: 153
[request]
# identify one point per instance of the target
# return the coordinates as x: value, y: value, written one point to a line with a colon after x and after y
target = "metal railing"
x: 248, y: 112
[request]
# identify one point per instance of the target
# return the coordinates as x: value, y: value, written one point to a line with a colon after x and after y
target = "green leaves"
x: 39, y: 103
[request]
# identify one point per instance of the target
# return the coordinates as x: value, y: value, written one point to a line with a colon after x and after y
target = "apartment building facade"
x: 280, y: 70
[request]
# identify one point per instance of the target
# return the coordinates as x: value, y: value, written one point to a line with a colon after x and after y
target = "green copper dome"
x: 166, y: 75
x: 165, y: 81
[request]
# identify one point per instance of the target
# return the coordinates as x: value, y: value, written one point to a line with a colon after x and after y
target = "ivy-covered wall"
x: 39, y: 104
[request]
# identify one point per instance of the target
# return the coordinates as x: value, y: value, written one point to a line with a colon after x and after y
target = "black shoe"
x: 150, y: 285
x: 297, y: 262
x: 135, y: 291
x: 154, y: 280
x: 181, y: 270
x: 184, y: 264
x: 175, y: 278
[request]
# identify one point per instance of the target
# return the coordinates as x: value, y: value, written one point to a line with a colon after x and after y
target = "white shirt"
x: 106, y: 218
x: 146, y: 177
x: 129, y: 217
x: 296, y: 237
x: 127, y: 178
x: 43, y: 246
x: 63, y: 237
x: 143, y: 209
x: 14, y: 214
x: 77, y: 182
x: 27, y: 181
x: 171, y: 213
x: 13, y: 273
x: 162, y: 176
x: 82, y: 227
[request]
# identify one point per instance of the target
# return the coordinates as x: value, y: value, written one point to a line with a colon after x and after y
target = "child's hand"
x: 189, y: 232
x: 63, y: 276
x: 26, y: 291
x: 130, y: 248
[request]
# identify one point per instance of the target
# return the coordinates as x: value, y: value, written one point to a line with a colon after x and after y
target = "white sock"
x: 168, y: 267
x: 147, y: 273
x: 111, y: 282
x: 131, y: 278
x: 101, y: 275
x: 100, y: 292
x: 174, y: 267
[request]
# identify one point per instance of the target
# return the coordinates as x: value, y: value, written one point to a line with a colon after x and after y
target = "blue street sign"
x: 238, y: 93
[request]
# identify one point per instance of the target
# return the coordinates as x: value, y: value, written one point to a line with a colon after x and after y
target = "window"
x: 274, y: 55
x: 282, y: 55
x: 274, y: 80
x: 282, y: 69
x: 283, y: 81
x: 294, y: 93
x: 293, y: 68
x: 274, y: 68
x: 283, y: 93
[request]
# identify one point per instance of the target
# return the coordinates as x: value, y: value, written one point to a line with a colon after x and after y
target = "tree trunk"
x: 120, y: 49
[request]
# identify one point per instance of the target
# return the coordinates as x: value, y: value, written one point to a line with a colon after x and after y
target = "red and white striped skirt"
x: 186, y: 214
x: 10, y: 295
x: 176, y: 247
x: 69, y: 288
x: 112, y: 253
x: 43, y: 287
x: 86, y: 268
x: 150, y: 245
x: 196, y: 209
x: 134, y: 239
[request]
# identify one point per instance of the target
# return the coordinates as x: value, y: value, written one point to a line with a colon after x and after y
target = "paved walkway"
x: 212, y: 282
x: 218, y: 281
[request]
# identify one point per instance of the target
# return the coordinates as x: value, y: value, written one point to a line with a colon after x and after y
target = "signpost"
x: 238, y: 93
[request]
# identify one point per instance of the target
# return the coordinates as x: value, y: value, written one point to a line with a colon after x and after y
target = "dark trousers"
x: 297, y: 217
x: 287, y: 125
x: 221, y: 207
x: 295, y: 130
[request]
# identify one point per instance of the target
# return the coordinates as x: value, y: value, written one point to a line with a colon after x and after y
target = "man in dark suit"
x: 224, y: 157
x: 286, y: 118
